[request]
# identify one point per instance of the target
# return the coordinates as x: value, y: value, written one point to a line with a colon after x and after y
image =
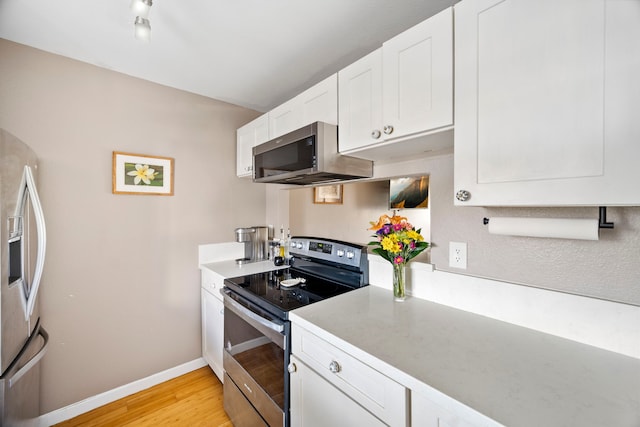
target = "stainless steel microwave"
x: 308, y: 155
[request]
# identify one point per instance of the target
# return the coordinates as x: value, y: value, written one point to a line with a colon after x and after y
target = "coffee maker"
x: 256, y: 243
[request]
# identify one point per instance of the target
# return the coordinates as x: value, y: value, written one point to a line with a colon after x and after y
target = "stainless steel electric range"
x: 257, y: 332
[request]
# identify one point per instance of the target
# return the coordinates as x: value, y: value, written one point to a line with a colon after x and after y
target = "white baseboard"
x: 101, y: 399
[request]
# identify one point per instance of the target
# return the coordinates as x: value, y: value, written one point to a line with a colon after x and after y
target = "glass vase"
x: 399, y: 282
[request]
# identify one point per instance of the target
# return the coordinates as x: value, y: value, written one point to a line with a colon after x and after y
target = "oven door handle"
x: 244, y: 311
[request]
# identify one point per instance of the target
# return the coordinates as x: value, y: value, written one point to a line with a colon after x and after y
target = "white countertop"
x: 231, y: 269
x: 510, y: 374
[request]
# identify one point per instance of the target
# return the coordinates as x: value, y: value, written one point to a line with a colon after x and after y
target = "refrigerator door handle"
x: 42, y: 240
x: 34, y: 360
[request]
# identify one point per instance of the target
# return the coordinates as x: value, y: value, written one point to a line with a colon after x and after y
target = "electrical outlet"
x: 458, y: 255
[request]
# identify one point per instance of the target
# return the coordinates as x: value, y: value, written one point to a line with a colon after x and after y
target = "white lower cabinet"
x: 212, y: 321
x: 315, y: 402
x: 426, y: 413
x: 331, y: 387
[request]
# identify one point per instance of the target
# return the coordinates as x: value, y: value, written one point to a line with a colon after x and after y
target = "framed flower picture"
x: 142, y: 174
x: 331, y: 194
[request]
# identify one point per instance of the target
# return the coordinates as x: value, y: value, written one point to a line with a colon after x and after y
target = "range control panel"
x: 322, y: 247
x: 329, y: 250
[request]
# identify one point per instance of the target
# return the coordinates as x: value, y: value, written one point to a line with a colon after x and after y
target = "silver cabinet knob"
x: 388, y: 129
x: 334, y: 367
x: 292, y: 368
x: 463, y: 195
x: 376, y: 134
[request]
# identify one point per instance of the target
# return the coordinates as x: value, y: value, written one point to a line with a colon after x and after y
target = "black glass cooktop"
x: 266, y: 290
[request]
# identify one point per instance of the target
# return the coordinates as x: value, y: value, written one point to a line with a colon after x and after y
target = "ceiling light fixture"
x: 142, y: 29
x: 141, y: 8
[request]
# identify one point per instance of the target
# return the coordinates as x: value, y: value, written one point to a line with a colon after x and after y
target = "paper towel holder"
x: 602, y: 219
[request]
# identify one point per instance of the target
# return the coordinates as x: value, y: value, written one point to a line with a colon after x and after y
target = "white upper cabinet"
x: 401, y: 91
x: 247, y: 137
x: 360, y: 102
x: 417, y: 77
x: 318, y: 103
x: 546, y: 102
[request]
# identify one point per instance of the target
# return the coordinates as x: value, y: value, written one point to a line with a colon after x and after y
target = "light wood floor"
x: 193, y: 399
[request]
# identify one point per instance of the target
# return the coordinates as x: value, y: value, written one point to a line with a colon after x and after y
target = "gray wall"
x: 120, y: 294
x: 608, y: 268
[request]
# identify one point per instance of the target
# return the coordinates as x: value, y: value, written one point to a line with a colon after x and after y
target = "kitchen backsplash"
x: 362, y: 202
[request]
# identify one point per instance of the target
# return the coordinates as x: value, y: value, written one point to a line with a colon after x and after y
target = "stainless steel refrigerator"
x: 23, y: 340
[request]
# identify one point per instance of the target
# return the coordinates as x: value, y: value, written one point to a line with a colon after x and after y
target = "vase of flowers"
x: 398, y: 242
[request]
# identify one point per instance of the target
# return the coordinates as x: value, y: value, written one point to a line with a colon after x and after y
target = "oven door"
x: 256, y: 356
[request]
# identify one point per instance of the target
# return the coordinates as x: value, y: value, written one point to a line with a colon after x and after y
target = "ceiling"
x: 252, y: 53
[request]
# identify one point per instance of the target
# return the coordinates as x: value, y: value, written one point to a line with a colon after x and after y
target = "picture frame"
x: 328, y: 194
x: 142, y: 174
x: 411, y: 192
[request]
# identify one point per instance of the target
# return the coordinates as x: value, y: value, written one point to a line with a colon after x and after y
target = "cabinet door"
x: 360, y: 103
x: 417, y: 72
x: 377, y: 393
x: 284, y: 118
x: 426, y: 413
x: 317, y: 403
x: 247, y: 137
x: 212, y: 331
x: 244, y: 145
x: 546, y: 100
x: 318, y: 103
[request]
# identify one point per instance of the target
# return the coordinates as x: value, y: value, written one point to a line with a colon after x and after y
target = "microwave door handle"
x: 243, y: 311
x: 34, y: 360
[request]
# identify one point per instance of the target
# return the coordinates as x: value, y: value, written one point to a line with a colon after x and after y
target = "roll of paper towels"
x: 559, y: 228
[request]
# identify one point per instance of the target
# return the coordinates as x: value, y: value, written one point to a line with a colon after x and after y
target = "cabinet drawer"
x: 212, y: 282
x: 379, y: 394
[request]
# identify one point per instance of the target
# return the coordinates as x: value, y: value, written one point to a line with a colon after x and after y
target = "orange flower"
x: 386, y: 219
x: 381, y: 221
x: 397, y: 219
